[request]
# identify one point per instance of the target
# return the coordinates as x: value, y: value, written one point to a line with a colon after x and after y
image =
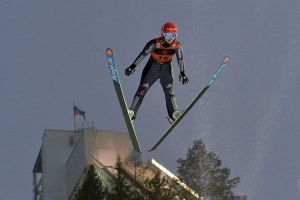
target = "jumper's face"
x: 170, y: 41
x: 169, y: 37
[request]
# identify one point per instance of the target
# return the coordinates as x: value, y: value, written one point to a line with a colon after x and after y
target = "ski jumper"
x: 159, y: 66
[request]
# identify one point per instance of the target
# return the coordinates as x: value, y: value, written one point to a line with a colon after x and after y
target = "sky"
x: 52, y: 54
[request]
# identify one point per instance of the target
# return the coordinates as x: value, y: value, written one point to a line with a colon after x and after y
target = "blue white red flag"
x: 79, y: 112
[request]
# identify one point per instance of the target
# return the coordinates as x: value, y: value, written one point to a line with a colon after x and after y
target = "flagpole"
x: 74, y: 116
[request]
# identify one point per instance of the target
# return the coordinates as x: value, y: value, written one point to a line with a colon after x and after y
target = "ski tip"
x: 108, y: 51
x: 226, y: 59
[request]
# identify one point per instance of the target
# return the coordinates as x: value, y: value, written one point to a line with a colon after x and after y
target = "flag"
x: 77, y: 112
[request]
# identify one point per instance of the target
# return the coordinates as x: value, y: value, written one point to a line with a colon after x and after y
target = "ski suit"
x: 159, y: 66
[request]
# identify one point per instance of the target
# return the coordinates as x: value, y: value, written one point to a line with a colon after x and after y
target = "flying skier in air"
x: 159, y: 66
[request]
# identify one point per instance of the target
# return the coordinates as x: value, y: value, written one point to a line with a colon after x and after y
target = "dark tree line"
x: 92, y: 187
x: 200, y: 170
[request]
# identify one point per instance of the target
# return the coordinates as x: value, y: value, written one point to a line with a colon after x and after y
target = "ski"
x: 192, y: 103
x: 118, y: 87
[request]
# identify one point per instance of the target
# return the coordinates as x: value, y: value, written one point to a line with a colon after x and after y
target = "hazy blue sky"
x: 52, y: 53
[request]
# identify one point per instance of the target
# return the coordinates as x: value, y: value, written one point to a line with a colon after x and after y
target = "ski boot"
x: 175, y: 116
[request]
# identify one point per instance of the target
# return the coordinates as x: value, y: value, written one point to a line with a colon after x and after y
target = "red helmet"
x: 169, y: 30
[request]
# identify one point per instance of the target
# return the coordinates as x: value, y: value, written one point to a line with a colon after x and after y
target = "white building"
x: 64, y: 155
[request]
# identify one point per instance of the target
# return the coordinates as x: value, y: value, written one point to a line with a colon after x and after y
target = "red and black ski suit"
x: 159, y: 66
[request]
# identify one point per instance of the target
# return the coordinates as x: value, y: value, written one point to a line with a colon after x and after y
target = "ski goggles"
x: 170, y: 35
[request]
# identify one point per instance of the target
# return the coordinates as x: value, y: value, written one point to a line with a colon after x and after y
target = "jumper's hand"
x: 183, y: 78
x: 130, y: 70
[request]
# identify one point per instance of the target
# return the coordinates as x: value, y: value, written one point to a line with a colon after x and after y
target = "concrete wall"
x: 56, y: 149
x: 76, y: 163
x: 105, y: 146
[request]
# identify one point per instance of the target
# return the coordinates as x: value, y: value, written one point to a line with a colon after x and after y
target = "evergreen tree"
x: 122, y: 189
x: 158, y: 188
x: 203, y: 172
x: 91, y: 188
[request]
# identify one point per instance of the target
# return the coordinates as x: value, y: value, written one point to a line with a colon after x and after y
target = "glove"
x: 130, y: 70
x: 183, y: 78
